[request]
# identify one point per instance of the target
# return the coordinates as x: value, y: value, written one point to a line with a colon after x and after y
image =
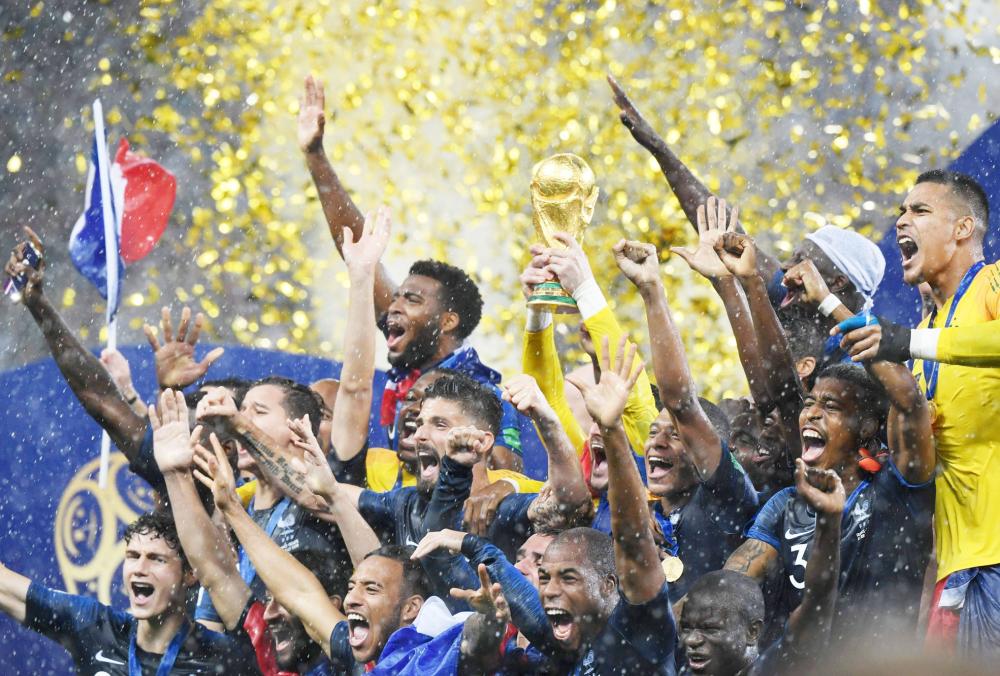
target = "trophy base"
x: 551, y: 297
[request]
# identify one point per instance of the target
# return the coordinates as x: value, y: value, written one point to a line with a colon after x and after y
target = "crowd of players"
x: 851, y: 503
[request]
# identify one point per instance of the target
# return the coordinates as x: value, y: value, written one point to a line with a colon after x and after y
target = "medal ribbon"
x: 247, y: 570
x: 931, y: 367
x: 169, y: 657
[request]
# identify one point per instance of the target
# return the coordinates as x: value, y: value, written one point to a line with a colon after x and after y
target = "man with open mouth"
x: 427, y: 317
x: 940, y: 231
x: 885, y: 541
x: 154, y: 636
x: 701, y: 491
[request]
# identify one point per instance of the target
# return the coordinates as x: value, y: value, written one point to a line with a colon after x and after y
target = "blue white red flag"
x: 88, y: 243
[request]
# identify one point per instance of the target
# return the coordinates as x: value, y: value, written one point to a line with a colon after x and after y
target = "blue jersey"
x: 710, y: 526
x: 885, y: 547
x: 97, y: 637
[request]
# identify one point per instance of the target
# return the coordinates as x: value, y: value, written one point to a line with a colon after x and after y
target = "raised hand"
x: 175, y: 363
x: 640, y: 129
x: 738, y: 253
x: 638, y: 261
x: 365, y: 254
x: 805, y: 284
x: 17, y: 266
x: 523, y: 392
x: 569, y: 265
x: 488, y: 600
x: 314, y: 466
x: 820, y: 488
x: 448, y: 540
x: 172, y: 432
x: 467, y: 445
x: 212, y: 469
x: 312, y: 119
x: 605, y: 401
x: 712, y: 225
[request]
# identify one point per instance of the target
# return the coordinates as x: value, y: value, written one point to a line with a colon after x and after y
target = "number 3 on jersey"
x: 800, y: 560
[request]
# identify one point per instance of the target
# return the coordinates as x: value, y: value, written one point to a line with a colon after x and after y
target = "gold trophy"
x: 563, y: 194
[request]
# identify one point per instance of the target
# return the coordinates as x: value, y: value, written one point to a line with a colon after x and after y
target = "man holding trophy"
x: 559, y: 280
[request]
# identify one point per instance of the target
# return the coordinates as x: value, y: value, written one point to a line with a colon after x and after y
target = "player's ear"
x: 753, y: 632
x: 965, y: 227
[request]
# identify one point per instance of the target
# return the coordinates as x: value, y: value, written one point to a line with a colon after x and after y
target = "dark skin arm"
x: 484, y: 631
x: 705, y: 261
x: 685, y: 185
x: 809, y: 624
x: 640, y: 263
x: 338, y: 207
x: 754, y: 558
x: 86, y: 376
x: 738, y: 253
x: 637, y: 559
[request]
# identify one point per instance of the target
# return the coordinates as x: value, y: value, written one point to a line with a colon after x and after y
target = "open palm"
x: 311, y: 117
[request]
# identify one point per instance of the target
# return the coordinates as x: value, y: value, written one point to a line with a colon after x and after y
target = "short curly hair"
x: 459, y: 294
x: 159, y: 524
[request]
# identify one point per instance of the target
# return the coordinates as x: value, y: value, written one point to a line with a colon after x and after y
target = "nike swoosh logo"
x: 791, y: 535
x: 101, y: 658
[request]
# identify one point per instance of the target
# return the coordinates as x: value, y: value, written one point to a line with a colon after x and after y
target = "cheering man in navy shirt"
x: 154, y: 637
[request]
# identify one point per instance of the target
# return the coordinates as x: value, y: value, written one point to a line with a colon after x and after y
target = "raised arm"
x: 90, y: 382
x: 564, y: 474
x: 120, y: 371
x: 640, y: 265
x: 349, y: 429
x: 690, y: 192
x: 704, y: 260
x: 637, y: 558
x: 210, y: 554
x: 176, y: 366
x: 809, y: 624
x: 273, y: 461
x: 290, y: 583
x: 738, y: 253
x: 909, y: 422
x: 338, y: 207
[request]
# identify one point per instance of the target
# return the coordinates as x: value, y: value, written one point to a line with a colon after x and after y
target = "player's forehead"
x: 930, y: 194
x: 149, y: 542
x: 265, y: 395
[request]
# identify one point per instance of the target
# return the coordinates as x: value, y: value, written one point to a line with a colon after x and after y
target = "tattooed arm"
x: 754, y: 558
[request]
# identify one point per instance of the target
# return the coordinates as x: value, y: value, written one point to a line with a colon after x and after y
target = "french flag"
x: 127, y: 204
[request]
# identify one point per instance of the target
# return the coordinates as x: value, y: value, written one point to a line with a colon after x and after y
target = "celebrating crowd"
x: 849, y: 504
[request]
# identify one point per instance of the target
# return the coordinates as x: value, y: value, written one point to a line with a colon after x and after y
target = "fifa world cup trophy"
x: 563, y: 194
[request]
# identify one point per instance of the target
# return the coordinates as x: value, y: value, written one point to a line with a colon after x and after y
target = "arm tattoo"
x: 749, y: 557
x: 274, y: 465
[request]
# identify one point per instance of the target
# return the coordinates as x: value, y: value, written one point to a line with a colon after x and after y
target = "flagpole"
x: 111, y: 262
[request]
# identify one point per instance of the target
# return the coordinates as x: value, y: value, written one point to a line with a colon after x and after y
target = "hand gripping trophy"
x: 563, y: 194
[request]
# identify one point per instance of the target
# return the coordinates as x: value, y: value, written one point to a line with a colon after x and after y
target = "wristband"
x: 829, y: 304
x: 589, y: 298
x: 131, y: 400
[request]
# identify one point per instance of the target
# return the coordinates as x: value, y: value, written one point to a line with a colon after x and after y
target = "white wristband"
x: 924, y: 343
x: 829, y: 304
x: 589, y: 298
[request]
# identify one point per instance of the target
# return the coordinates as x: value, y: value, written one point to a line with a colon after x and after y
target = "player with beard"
x: 278, y: 638
x: 427, y: 318
x: 154, y: 636
x: 940, y: 232
x: 386, y: 590
x: 703, y: 493
x: 886, y: 526
x: 378, y: 469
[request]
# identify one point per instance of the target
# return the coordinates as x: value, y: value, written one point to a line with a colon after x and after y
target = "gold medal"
x: 933, y: 412
x: 673, y: 568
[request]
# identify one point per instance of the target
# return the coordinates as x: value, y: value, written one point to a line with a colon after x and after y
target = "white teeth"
x: 354, y: 617
x: 905, y: 240
x: 810, y: 434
